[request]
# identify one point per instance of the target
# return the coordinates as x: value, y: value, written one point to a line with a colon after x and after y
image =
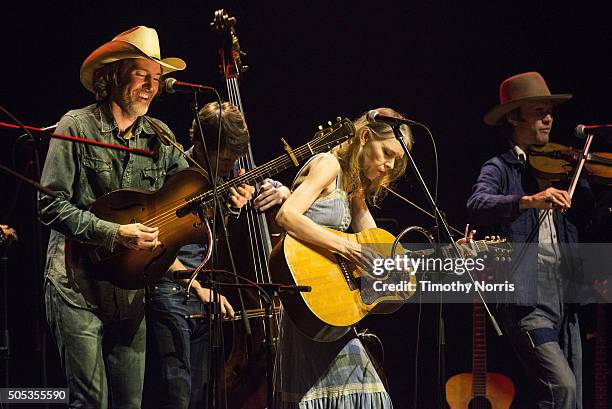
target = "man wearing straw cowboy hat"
x: 99, y: 328
x: 537, y: 318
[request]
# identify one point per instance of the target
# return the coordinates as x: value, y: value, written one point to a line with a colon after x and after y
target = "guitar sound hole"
x: 479, y: 402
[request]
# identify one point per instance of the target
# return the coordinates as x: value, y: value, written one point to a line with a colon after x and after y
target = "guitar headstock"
x: 226, y: 26
x: 499, y: 247
x: 336, y: 133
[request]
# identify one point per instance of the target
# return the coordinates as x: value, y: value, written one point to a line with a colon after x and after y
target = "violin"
x: 556, y: 162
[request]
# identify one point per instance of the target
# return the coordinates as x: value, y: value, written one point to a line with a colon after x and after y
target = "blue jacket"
x: 494, y: 202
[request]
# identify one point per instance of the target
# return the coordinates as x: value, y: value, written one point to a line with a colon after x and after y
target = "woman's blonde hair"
x: 349, y: 156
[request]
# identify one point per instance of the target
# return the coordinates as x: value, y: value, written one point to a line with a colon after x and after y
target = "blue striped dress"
x: 326, y: 375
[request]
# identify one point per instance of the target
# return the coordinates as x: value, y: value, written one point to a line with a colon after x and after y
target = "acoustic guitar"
x: 177, y: 209
x: 479, y: 389
x: 336, y: 301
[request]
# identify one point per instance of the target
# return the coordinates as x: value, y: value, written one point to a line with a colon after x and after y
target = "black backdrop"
x: 437, y: 62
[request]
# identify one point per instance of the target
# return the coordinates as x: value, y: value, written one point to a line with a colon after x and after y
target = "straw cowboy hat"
x: 518, y: 90
x: 137, y: 42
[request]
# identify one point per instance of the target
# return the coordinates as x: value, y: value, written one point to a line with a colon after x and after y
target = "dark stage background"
x: 437, y: 62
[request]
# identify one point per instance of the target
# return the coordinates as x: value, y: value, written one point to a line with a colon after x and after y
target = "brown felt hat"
x: 137, y: 42
x: 518, y: 90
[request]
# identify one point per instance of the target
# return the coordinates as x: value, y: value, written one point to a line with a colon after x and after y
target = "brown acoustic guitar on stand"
x: 479, y: 389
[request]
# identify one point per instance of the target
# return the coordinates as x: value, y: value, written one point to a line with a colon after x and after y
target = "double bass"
x: 245, y: 370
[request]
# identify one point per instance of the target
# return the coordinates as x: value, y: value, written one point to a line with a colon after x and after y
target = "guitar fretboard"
x: 479, y: 351
x: 319, y: 144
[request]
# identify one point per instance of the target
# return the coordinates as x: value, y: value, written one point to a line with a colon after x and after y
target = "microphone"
x: 172, y: 85
x: 373, y: 116
x: 596, y: 130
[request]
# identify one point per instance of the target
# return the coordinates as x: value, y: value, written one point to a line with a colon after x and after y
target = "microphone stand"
x: 5, y: 347
x: 446, y: 229
x: 216, y: 306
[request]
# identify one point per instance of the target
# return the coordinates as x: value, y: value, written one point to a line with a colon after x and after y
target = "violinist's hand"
x: 547, y: 199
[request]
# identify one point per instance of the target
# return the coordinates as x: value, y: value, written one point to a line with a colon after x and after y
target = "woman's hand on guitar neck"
x: 137, y: 236
x: 467, y: 238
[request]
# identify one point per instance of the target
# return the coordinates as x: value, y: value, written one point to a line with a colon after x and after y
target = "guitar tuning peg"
x: 320, y: 127
x: 329, y: 123
x: 486, y: 237
x: 498, y: 238
x: 496, y: 258
x: 338, y: 119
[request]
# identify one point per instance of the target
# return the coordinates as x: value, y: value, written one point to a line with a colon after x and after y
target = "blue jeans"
x: 103, y: 354
x: 547, y: 341
x: 177, y: 350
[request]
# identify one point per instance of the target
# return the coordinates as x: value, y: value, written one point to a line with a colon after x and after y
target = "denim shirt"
x: 81, y: 173
x: 494, y: 202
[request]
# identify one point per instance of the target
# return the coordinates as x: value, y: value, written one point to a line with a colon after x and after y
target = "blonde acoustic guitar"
x: 336, y: 301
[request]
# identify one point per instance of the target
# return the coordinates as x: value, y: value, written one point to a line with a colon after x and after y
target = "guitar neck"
x: 479, y: 351
x: 448, y: 251
x: 601, y: 367
x: 264, y: 171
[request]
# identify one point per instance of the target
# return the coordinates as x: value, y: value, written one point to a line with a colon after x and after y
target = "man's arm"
x: 60, y: 175
x: 487, y: 204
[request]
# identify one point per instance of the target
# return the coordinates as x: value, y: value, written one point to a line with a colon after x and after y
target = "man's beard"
x: 132, y: 107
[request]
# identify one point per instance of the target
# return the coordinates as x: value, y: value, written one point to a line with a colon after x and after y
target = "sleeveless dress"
x: 326, y: 375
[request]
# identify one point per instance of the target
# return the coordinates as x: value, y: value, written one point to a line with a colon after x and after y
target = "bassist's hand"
x: 206, y: 295
x: 137, y: 236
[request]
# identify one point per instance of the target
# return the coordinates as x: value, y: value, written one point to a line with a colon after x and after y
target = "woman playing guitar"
x: 332, y: 190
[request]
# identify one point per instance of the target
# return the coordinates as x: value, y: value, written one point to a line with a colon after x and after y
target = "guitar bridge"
x: 347, y: 267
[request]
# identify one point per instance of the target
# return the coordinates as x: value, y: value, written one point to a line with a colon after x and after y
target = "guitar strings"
x: 234, y: 182
x: 167, y: 216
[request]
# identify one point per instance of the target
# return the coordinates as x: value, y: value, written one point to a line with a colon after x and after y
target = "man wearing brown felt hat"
x: 537, y: 316
x: 99, y: 328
